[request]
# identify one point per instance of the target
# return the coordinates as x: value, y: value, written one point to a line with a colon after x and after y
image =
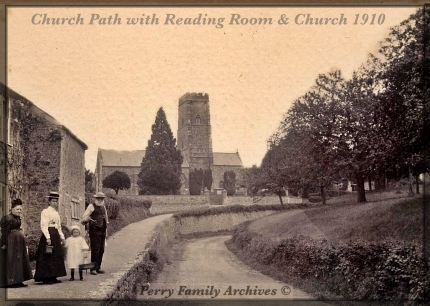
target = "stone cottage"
x: 43, y: 156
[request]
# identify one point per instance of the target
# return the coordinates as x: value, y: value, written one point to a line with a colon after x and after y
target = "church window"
x: 198, y: 119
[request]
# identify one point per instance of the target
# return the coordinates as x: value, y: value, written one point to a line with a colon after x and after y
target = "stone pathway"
x: 122, y: 249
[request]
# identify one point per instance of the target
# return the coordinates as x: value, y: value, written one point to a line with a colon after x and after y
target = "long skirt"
x: 15, y: 259
x: 49, y: 266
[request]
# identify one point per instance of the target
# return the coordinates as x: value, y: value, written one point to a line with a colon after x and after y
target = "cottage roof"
x: 16, y: 96
x: 227, y: 159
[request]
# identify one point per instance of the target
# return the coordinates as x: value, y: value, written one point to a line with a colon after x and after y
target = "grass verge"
x: 370, y: 251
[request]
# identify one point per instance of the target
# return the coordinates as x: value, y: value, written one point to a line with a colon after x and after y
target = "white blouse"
x: 50, y: 218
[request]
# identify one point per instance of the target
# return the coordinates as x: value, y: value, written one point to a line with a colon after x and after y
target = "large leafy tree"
x: 161, y: 167
x: 311, y: 132
x: 403, y: 109
x: 359, y: 143
x: 117, y: 180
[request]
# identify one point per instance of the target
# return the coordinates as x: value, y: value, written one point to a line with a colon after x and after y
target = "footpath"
x: 122, y: 249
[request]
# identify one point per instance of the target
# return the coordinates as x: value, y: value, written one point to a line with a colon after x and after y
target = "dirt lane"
x: 206, y: 269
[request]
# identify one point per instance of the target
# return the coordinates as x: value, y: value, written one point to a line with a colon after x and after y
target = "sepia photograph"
x: 215, y: 155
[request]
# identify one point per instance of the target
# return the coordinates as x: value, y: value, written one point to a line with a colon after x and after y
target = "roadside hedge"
x: 390, y: 270
x: 205, y: 211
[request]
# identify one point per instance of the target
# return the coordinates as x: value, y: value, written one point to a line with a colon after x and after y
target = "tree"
x: 161, y: 167
x: 117, y: 180
x: 314, y: 123
x: 89, y: 178
x: 230, y: 182
x: 196, y: 181
x: 207, y: 179
x: 405, y: 78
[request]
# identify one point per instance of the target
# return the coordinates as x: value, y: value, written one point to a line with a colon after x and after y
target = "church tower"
x: 194, y: 130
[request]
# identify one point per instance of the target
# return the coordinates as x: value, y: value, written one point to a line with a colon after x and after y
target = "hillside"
x: 386, y: 216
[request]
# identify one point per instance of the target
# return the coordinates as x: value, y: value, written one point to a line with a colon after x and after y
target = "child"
x: 77, y: 249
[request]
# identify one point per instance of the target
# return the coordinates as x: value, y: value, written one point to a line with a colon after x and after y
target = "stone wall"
x: 52, y: 160
x: 162, y: 204
x: 43, y: 173
x: 267, y: 200
x: 72, y: 182
x: 164, y: 234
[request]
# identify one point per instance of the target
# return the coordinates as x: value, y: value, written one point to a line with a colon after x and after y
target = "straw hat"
x: 99, y: 195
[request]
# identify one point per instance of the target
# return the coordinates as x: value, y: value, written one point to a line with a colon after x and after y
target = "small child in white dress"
x: 77, y: 251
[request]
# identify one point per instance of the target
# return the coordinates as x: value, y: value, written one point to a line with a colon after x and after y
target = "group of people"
x: 50, y: 261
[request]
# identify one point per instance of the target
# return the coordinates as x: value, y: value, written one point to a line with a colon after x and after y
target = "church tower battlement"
x: 194, y: 130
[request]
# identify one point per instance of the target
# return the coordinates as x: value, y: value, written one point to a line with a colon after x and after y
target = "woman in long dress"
x: 15, y: 264
x: 50, y: 265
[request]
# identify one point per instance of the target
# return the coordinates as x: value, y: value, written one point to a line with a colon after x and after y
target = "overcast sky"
x: 105, y: 82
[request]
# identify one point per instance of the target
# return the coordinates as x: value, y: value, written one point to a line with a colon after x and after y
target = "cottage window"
x: 198, y: 120
x: 76, y: 212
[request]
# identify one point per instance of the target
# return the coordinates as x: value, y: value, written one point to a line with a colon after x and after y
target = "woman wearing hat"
x: 96, y: 217
x: 50, y: 255
x: 13, y: 248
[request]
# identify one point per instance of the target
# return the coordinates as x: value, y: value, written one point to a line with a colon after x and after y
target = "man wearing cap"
x: 96, y: 217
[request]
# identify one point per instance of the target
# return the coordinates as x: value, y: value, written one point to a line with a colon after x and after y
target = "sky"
x: 106, y: 79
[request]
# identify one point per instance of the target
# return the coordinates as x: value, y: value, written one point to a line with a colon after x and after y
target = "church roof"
x: 227, y: 159
x: 115, y: 158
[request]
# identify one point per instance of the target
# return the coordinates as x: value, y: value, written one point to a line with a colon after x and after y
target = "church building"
x: 194, y: 140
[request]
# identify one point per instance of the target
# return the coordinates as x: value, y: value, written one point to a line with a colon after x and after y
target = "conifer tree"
x: 161, y: 167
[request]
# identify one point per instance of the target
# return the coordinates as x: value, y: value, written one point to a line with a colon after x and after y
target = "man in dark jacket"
x: 96, y: 217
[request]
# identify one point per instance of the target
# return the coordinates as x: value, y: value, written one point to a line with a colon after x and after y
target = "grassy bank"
x: 370, y: 251
x: 392, y: 219
x: 123, y: 211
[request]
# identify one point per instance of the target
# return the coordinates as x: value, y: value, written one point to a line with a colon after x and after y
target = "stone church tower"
x: 194, y: 130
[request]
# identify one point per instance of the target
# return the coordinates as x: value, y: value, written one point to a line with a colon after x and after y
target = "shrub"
x: 112, y: 207
x: 147, y: 204
x: 315, y: 198
x: 125, y: 211
x: 230, y: 182
x: 357, y: 270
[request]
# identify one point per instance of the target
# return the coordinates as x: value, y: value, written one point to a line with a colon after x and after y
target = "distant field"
x: 385, y: 216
